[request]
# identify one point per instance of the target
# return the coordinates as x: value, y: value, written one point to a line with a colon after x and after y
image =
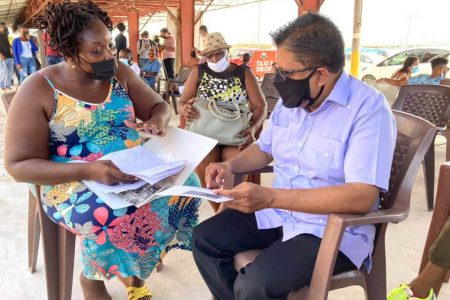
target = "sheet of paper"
x: 112, y: 200
x: 145, y: 164
x: 193, y: 191
x: 183, y: 145
x: 134, y: 159
x: 119, y: 187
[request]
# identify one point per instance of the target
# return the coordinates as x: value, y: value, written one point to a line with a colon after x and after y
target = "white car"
x: 365, y: 60
x: 391, y: 64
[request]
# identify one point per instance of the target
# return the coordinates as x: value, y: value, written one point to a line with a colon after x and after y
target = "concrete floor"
x: 180, y: 278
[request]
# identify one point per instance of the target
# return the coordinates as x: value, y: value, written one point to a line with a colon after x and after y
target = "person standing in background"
x: 51, y: 55
x: 121, y: 40
x: 143, y: 47
x: 36, y: 59
x: 6, y: 59
x: 11, y: 39
x: 168, y: 52
x: 246, y: 60
x: 203, y: 30
x: 24, y: 51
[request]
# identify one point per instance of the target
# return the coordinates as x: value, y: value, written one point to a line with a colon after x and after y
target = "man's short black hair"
x: 144, y: 33
x: 204, y: 28
x: 3, y: 23
x: 121, y: 27
x: 315, y: 41
x: 164, y: 30
x: 439, y: 61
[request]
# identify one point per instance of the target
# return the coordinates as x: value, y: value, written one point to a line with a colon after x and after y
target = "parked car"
x: 261, y: 60
x: 391, y: 64
x: 382, y: 52
x: 365, y: 60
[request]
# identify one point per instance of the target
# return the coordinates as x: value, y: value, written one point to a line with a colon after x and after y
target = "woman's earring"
x: 73, y: 67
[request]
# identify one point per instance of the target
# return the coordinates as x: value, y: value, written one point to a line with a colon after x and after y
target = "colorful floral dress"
x: 128, y: 241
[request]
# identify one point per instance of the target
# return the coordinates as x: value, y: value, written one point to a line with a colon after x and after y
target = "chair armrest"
x: 331, y: 241
x: 237, y: 178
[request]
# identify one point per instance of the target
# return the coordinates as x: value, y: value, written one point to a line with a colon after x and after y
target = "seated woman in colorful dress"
x: 83, y: 109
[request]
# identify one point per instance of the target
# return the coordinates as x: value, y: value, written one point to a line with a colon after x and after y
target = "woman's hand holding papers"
x: 104, y: 171
x: 247, y: 197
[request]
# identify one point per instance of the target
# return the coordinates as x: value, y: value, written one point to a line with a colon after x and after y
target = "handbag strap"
x: 222, y: 116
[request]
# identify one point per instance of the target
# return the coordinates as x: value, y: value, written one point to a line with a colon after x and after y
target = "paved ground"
x: 180, y: 278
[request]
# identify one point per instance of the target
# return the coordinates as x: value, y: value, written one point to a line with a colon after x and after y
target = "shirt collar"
x: 341, y: 90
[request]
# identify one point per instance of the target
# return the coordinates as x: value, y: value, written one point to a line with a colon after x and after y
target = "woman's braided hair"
x: 64, y: 21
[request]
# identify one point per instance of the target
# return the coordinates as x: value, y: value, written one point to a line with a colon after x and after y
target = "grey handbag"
x: 220, y: 121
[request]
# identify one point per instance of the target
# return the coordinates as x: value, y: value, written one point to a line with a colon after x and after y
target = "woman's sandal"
x: 136, y: 293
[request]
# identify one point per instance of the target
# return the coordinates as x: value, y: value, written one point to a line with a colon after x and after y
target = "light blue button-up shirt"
x: 349, y: 138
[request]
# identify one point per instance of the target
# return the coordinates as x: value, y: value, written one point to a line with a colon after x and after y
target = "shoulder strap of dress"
x: 55, y: 92
x: 50, y: 83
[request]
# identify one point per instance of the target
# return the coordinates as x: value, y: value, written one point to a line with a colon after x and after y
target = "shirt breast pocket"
x: 325, y: 158
x: 284, y: 148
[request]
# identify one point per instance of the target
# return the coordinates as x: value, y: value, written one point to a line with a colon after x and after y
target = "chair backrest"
x: 183, y: 74
x: 430, y: 102
x: 7, y: 99
x: 269, y: 91
x: 414, y: 137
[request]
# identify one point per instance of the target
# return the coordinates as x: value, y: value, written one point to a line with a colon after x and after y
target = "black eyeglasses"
x: 283, y: 74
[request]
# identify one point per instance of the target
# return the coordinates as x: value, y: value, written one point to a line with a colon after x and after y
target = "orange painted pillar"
x: 309, y: 6
x: 133, y: 32
x: 187, y: 12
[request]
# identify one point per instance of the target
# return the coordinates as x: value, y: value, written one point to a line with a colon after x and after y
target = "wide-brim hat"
x: 214, y: 41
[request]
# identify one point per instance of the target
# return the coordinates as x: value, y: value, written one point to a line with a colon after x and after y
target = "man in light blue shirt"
x: 331, y: 138
x: 439, y: 70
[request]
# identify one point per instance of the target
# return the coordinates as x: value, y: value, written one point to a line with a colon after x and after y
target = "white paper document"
x: 184, y: 146
x: 162, y: 162
x: 193, y: 191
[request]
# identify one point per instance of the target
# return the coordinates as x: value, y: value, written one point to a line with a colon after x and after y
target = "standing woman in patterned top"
x: 222, y: 81
x: 83, y: 109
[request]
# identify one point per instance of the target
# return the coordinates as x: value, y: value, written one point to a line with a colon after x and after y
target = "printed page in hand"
x: 192, y: 191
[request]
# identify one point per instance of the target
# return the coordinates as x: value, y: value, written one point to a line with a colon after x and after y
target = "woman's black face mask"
x: 294, y: 92
x: 103, y: 70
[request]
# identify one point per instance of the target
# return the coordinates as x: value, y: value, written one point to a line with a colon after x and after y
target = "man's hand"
x: 106, y: 172
x: 216, y: 173
x: 247, y: 197
x: 19, y: 67
x: 2, y: 57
